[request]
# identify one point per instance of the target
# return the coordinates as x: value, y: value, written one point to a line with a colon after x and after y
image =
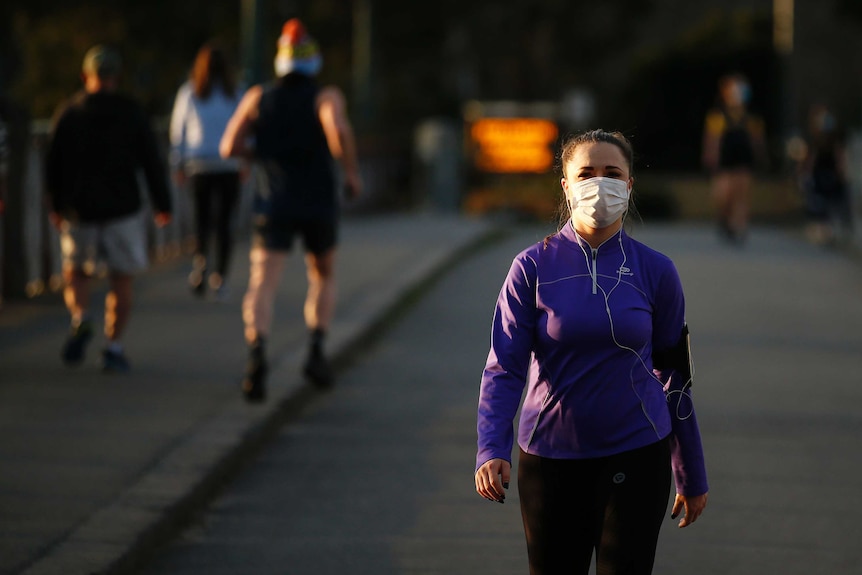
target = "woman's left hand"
x: 693, y: 507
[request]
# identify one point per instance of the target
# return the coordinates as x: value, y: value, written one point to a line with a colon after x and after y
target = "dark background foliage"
x: 650, y: 65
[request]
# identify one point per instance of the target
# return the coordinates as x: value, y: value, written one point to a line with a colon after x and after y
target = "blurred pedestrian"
x: 202, y: 108
x: 593, y: 323
x: 823, y: 179
x: 99, y: 141
x: 733, y: 147
x: 297, y: 129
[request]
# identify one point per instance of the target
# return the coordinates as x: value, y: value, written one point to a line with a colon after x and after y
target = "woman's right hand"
x: 492, y: 479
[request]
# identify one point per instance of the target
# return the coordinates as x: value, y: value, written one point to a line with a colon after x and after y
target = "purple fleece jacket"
x: 578, y: 327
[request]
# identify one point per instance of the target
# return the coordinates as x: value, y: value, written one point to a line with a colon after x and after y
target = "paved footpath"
x: 376, y: 477
x: 96, y: 469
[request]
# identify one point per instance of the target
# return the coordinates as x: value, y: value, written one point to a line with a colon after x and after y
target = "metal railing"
x: 385, y: 165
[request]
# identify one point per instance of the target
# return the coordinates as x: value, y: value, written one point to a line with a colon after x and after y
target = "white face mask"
x: 598, y: 202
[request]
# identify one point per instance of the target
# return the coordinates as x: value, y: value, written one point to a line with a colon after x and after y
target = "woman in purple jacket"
x: 593, y: 323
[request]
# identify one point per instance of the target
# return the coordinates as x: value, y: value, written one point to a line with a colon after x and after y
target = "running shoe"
x: 318, y: 370
x: 253, y: 384
x: 76, y: 344
x: 115, y: 362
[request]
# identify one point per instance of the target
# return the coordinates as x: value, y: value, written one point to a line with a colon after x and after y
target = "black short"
x: 318, y: 235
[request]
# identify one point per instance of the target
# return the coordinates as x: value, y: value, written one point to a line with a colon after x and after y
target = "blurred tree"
x: 671, y: 89
x: 427, y: 57
x: 51, y: 50
x: 157, y: 40
x: 851, y: 9
x: 440, y: 54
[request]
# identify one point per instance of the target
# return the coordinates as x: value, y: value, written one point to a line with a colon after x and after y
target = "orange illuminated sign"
x: 510, y: 145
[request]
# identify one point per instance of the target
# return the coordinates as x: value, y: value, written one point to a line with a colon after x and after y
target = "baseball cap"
x: 102, y: 61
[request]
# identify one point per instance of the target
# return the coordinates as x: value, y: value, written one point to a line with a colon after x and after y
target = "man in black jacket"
x: 99, y: 142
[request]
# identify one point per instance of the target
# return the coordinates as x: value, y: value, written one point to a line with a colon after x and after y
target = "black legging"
x: 215, y: 195
x: 614, y: 505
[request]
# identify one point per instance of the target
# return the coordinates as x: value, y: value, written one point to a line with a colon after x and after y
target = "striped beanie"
x: 297, y: 51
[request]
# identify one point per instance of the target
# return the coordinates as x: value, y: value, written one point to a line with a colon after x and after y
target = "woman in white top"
x: 202, y: 108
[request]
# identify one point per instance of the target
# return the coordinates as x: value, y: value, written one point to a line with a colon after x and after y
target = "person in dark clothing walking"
x: 99, y: 141
x: 824, y: 180
x: 298, y: 130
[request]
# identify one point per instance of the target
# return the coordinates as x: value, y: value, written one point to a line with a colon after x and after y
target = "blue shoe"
x: 76, y: 344
x: 115, y: 362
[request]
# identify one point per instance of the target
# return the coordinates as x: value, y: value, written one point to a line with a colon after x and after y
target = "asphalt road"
x: 376, y: 476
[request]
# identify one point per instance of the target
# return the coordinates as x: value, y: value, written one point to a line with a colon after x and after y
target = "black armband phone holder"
x: 677, y: 357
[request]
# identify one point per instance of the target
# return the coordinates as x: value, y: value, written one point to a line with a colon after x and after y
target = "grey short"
x: 120, y: 244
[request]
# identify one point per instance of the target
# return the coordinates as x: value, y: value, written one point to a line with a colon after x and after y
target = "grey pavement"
x: 377, y: 476
x: 97, y: 469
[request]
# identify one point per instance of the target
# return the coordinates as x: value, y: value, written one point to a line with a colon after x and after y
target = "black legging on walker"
x: 215, y: 196
x: 614, y: 505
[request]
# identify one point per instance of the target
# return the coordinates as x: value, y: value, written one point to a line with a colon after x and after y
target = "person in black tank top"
x: 736, y: 147
x: 300, y: 131
x: 293, y: 154
x: 733, y: 146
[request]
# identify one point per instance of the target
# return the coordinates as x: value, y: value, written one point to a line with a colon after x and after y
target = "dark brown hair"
x: 211, y: 68
x: 594, y: 137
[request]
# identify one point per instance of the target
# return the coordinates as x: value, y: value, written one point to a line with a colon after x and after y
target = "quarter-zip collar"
x: 590, y: 253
